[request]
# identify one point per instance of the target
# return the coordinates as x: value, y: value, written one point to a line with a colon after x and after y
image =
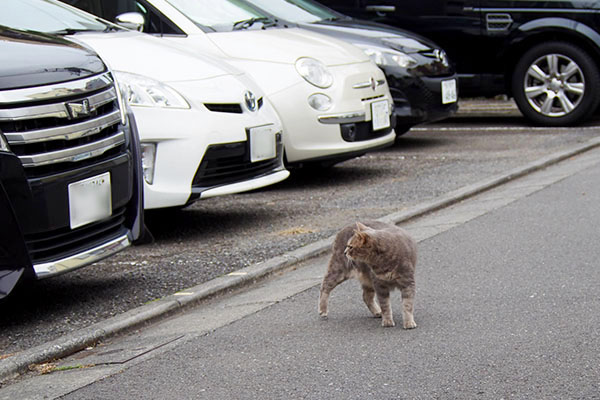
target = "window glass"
x: 298, y: 11
x: 107, y: 9
x: 218, y: 15
x: 43, y: 16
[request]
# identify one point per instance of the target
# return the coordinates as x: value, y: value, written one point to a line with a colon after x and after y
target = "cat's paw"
x: 388, y: 323
x: 377, y: 315
x: 409, y: 325
x: 323, y: 315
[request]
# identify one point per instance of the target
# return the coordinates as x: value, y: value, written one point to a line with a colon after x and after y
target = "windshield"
x: 224, y: 15
x: 47, y: 17
x: 297, y: 11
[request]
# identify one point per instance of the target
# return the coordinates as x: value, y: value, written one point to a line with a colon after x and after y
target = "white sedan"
x: 205, y: 127
x: 334, y: 102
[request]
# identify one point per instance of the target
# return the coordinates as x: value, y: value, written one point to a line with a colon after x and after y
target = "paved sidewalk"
x: 506, y: 305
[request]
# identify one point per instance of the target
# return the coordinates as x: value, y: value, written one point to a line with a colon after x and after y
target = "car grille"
x: 229, y: 163
x: 65, y: 241
x: 232, y: 108
x: 360, y: 131
x: 60, y: 127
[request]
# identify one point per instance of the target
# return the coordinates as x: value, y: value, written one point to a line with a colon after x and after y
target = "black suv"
x: 70, y: 170
x: 544, y: 54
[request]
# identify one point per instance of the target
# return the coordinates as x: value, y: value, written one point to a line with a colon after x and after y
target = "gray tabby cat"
x: 382, y: 257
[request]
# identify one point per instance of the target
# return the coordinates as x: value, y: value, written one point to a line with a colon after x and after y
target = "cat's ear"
x: 361, y: 232
x: 361, y: 227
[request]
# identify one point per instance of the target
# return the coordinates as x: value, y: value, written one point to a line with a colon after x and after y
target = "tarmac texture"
x: 506, y: 308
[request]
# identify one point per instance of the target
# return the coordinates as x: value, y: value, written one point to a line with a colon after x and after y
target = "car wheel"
x: 556, y: 84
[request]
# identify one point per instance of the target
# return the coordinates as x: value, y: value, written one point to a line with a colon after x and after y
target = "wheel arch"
x: 544, y: 30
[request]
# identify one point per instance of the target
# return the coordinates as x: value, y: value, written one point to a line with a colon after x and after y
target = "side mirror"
x: 131, y: 20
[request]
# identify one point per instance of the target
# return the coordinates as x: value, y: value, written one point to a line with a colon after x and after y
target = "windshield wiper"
x: 247, y: 23
x: 71, y: 31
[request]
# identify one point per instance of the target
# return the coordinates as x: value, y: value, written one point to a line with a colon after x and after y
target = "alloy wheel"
x: 554, y: 85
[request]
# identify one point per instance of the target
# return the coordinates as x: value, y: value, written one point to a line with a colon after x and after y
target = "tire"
x: 556, y: 84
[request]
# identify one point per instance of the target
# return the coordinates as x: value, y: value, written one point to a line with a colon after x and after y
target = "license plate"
x: 449, y: 94
x: 263, y: 145
x: 380, y: 115
x: 90, y: 200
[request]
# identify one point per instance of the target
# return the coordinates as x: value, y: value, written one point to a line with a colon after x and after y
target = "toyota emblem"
x: 250, y: 101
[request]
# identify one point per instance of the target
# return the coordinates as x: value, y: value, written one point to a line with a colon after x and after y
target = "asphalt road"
x: 507, y: 307
x: 220, y: 235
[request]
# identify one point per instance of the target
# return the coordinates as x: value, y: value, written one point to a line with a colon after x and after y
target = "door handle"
x: 381, y: 9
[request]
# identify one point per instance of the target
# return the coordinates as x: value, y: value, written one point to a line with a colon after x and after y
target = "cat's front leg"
x: 369, y: 294
x: 408, y: 298
x: 383, y: 296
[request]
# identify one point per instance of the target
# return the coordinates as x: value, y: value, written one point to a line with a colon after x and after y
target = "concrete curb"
x: 136, y: 318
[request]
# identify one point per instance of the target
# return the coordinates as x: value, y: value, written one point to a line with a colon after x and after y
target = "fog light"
x: 348, y: 132
x: 320, y: 101
x: 148, y: 159
x: 3, y: 143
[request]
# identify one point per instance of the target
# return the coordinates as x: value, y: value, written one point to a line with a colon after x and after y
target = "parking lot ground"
x: 214, y: 239
x: 506, y: 308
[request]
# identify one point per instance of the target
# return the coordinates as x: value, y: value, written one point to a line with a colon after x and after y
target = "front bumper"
x: 37, y: 238
x: 418, y: 99
x: 202, y: 153
x: 311, y: 135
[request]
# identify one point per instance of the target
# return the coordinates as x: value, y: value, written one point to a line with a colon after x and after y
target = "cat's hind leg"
x: 408, y: 298
x: 330, y: 281
x: 369, y: 294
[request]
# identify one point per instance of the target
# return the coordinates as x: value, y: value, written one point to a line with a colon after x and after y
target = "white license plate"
x: 449, y: 94
x: 90, y: 200
x: 380, y: 115
x: 263, y: 145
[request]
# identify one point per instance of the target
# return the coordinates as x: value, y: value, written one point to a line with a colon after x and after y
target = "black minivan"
x: 70, y: 169
x: 544, y: 54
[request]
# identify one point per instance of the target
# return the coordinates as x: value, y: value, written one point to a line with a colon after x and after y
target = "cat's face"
x: 358, y: 247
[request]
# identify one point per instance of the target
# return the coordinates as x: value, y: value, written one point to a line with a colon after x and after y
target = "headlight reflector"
x: 144, y: 91
x: 314, y: 72
x: 388, y: 57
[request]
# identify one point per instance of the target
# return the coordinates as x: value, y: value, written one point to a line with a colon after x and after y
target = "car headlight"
x: 388, y: 57
x: 314, y: 72
x: 144, y: 91
x: 123, y: 104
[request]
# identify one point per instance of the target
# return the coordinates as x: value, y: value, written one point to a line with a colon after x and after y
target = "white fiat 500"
x: 334, y: 102
x: 205, y: 127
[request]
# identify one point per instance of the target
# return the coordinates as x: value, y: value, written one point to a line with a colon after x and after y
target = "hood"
x: 35, y: 59
x: 358, y: 31
x: 146, y: 55
x: 286, y: 45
